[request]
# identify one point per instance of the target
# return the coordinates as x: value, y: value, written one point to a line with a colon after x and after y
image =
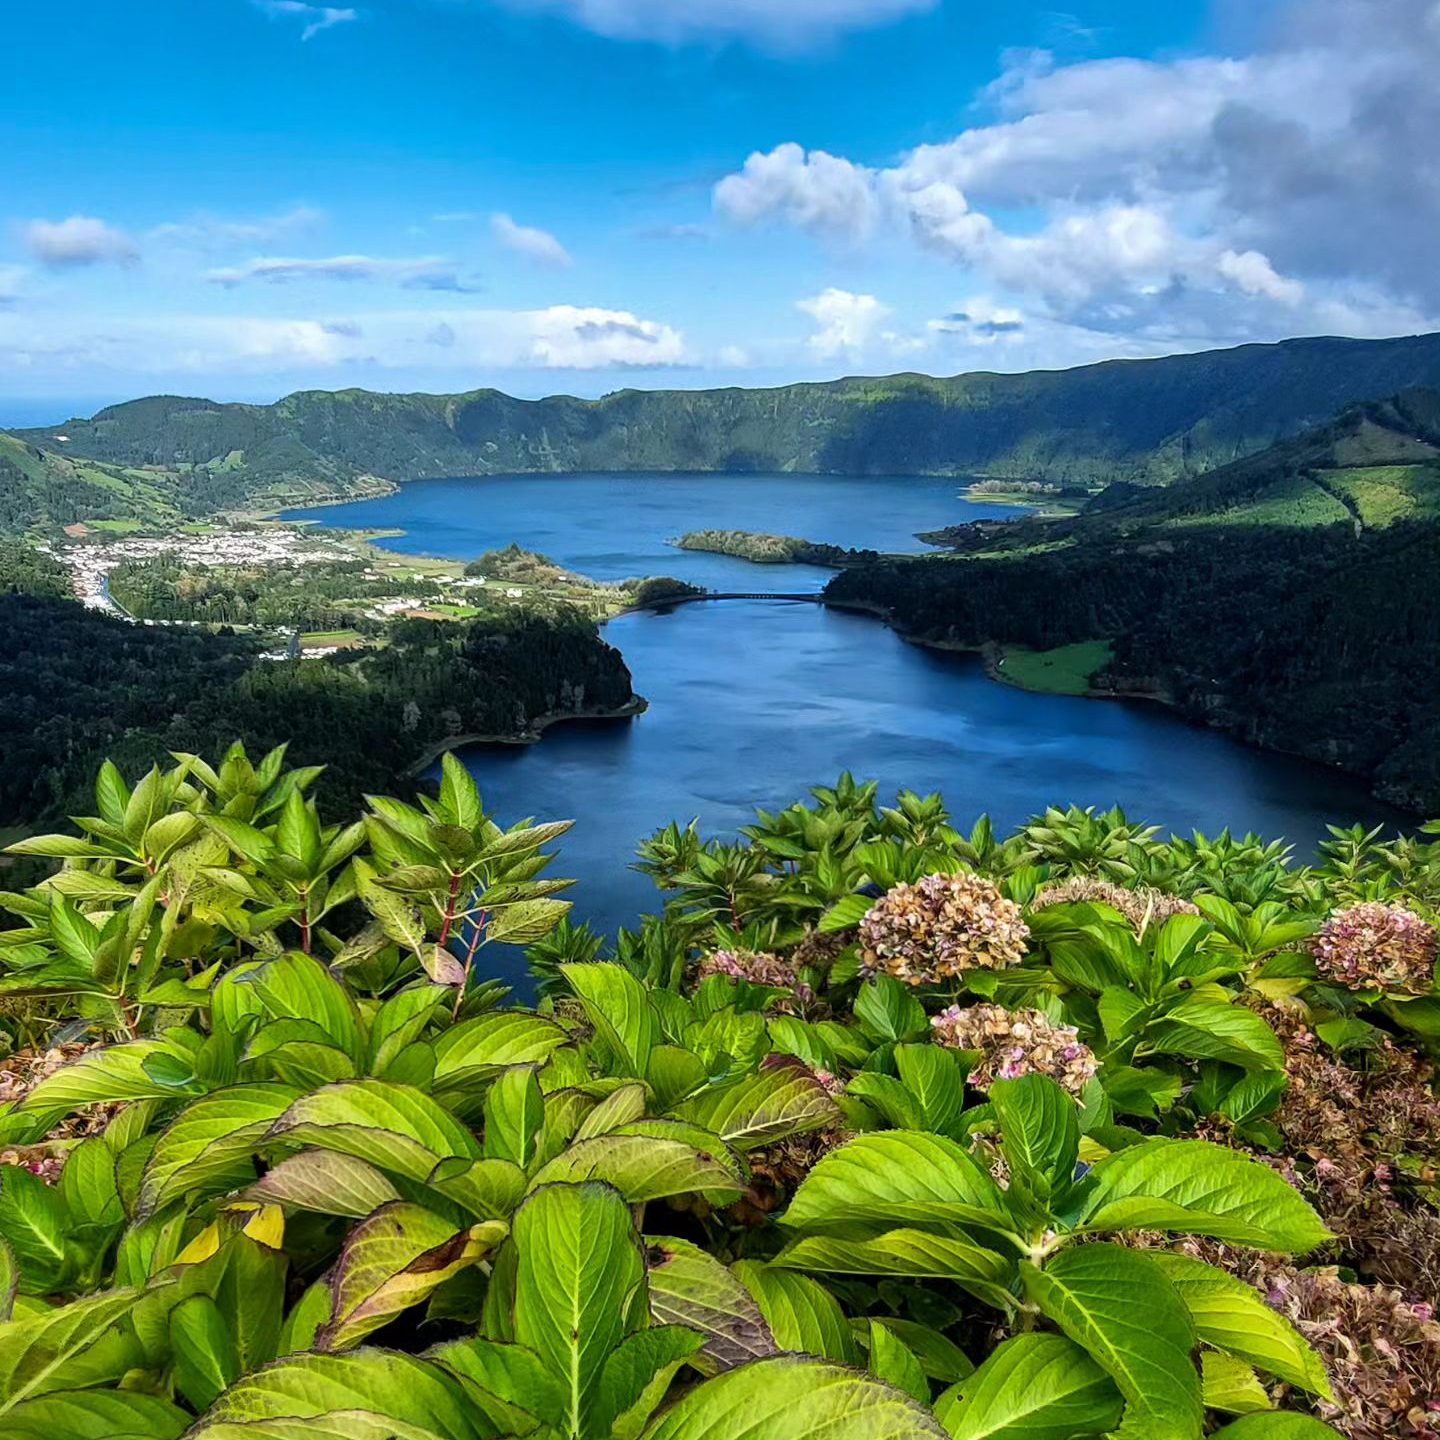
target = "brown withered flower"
x: 1013, y: 1043
x: 939, y: 928
x: 1142, y: 906
x: 1380, y: 947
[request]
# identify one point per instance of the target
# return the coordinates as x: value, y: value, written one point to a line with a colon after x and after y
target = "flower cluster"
x: 756, y: 967
x: 1013, y: 1043
x: 1374, y: 946
x: 940, y: 928
x: 1141, y: 907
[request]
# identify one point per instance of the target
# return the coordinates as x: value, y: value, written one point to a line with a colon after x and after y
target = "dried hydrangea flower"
x: 756, y: 967
x: 941, y: 927
x: 1374, y: 946
x: 1141, y: 907
x: 1012, y: 1043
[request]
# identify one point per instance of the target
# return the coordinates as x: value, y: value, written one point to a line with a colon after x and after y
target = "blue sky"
x: 245, y: 197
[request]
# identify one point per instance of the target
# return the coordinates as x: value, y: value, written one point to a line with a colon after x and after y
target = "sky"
x: 241, y: 198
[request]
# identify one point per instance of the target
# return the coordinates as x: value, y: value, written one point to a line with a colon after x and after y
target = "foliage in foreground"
x: 877, y: 1132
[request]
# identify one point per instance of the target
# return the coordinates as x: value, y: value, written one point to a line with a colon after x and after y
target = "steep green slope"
x: 1144, y: 421
x: 1292, y: 598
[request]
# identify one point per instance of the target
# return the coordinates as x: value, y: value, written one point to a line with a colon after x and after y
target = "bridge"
x: 808, y: 598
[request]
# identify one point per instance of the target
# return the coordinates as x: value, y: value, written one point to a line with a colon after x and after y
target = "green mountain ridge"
x: 1139, y: 421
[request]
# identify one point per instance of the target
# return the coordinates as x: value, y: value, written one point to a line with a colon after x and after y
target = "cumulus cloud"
x: 562, y: 337
x: 312, y: 18
x: 783, y: 24
x: 80, y: 240
x: 537, y: 245
x: 430, y: 272
x: 848, y: 322
x: 1214, y: 197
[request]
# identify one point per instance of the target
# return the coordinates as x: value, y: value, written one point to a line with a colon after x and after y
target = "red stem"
x: 450, y: 908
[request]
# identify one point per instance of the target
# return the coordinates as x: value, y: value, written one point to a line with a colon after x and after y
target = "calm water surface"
x: 752, y: 703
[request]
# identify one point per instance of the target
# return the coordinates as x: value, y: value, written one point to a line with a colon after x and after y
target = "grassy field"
x: 1064, y: 671
x: 341, y: 639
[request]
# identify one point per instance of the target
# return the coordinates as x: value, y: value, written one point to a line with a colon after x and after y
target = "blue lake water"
x: 751, y: 703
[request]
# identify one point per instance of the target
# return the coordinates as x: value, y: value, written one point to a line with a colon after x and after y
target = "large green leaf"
x: 9, y: 1279
x: 114, y: 1073
x: 1231, y: 1386
x: 34, y: 1223
x: 95, y: 1415
x: 366, y: 1395
x: 1040, y: 1132
x: 688, y: 1286
x: 1120, y: 1308
x: 897, y: 1178
x: 298, y: 987
x: 918, y: 1254
x: 210, y: 1141
x: 489, y: 1043
x: 395, y: 1259
x: 395, y: 1127
x: 36, y: 1349
x: 579, y: 1266
x: 893, y: 1361
x: 800, y: 1312
x: 1032, y: 1387
x: 784, y: 1098
x: 1232, y: 1316
x: 642, y: 1168
x: 1194, y: 1187
x: 619, y: 1008
x: 935, y: 1080
x: 636, y: 1376
x: 487, y: 1189
x: 789, y: 1398
x: 326, y: 1182
x: 1276, y: 1425
x: 205, y: 1357
x: 1214, y: 1030
x: 514, y: 1115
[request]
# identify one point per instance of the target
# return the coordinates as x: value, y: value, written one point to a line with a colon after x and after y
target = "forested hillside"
x: 1292, y: 598
x: 1144, y: 421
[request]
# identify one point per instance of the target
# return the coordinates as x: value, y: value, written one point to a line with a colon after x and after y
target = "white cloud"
x: 982, y: 322
x: 562, y: 337
x: 313, y: 18
x: 848, y: 322
x: 537, y: 245
x: 80, y: 240
x: 12, y: 279
x: 734, y: 357
x: 1212, y: 198
x: 429, y: 272
x: 214, y: 231
x: 784, y: 24
x: 813, y: 191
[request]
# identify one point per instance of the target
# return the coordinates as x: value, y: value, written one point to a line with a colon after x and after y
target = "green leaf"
x: 490, y: 1043
x: 643, y: 1168
x: 36, y: 1349
x: 9, y: 1279
x: 788, y: 1398
x: 620, y: 1011
x: 367, y: 1395
x: 1196, y: 1188
x: 527, y: 922
x: 934, y: 1077
x: 327, y: 1183
x: 205, y: 1358
x: 397, y: 1128
x: 1040, y: 1133
x: 514, y: 1115
x: 1210, y: 1030
x: 632, y: 1370
x: 299, y: 987
x: 784, y: 1098
x: 1231, y: 1385
x: 886, y: 1010
x: 1275, y: 1426
x: 920, y: 1254
x: 211, y: 1141
x: 845, y: 914
x: 939, y: 1356
x: 395, y: 1259
x: 1117, y: 1306
x: 690, y: 1287
x: 897, y: 1178
x: 800, y: 1312
x: 113, y: 1073
x: 87, y: 1186
x: 487, y: 1189
x: 1032, y: 1387
x: 33, y: 1221
x: 578, y: 1269
x: 1233, y: 1317
x: 95, y: 1415
x: 511, y: 1373
x: 892, y: 1360
x: 459, y: 796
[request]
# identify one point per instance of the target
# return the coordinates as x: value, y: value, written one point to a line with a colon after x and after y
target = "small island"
x: 774, y: 549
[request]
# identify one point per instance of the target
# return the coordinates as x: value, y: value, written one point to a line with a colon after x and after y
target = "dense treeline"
x: 24, y: 570
x: 1315, y: 641
x: 79, y: 686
